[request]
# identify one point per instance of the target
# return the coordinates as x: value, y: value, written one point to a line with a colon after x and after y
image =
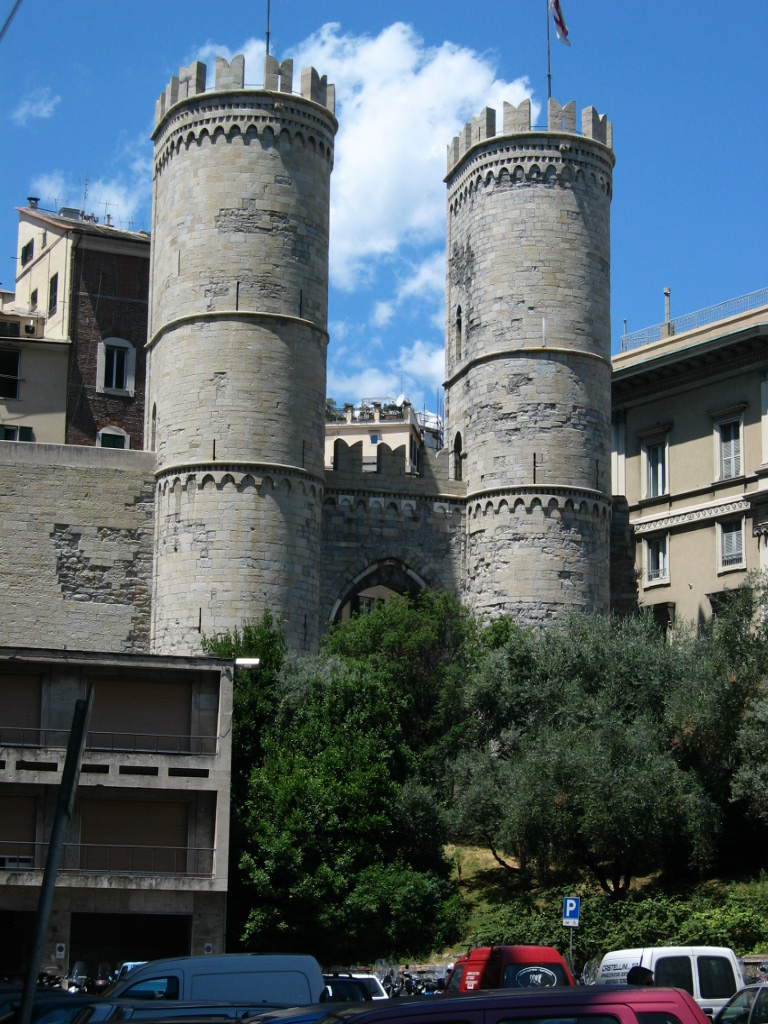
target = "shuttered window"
x: 730, y: 449
x: 732, y: 544
x: 20, y: 710
x: 133, y: 836
x: 141, y: 715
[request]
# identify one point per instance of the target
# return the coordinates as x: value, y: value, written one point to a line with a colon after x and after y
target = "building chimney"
x: 667, y: 328
x: 33, y: 201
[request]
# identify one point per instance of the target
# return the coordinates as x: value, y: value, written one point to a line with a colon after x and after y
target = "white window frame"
x: 729, y: 559
x: 648, y: 445
x: 130, y: 367
x: 657, y: 576
x: 113, y: 432
x: 719, y: 422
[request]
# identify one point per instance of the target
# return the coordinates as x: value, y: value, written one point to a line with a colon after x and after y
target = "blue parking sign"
x: 571, y: 911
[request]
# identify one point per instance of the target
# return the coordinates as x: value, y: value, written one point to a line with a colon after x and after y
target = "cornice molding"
x: 712, y: 510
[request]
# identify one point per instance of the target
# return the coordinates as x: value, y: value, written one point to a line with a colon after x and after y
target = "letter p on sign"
x: 571, y: 911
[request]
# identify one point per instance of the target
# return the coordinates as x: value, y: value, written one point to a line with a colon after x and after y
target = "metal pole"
x: 267, y: 27
x: 64, y: 807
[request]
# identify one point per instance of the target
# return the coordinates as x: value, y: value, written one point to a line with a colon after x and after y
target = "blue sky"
x: 685, y: 84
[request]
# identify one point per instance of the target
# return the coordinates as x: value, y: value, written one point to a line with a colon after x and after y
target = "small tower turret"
x: 528, y: 358
x: 237, y: 350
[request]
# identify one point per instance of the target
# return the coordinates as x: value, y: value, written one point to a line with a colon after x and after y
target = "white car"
x: 353, y: 987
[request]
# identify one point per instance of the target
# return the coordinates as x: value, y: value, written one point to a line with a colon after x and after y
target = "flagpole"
x: 549, y: 61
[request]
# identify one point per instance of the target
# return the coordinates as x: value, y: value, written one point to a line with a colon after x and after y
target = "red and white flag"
x: 560, y: 27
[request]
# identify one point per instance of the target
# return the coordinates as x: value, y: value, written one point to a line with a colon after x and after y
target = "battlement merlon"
x: 517, y: 120
x: 230, y: 77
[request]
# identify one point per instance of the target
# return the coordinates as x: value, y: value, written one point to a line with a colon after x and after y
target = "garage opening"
x: 113, y: 938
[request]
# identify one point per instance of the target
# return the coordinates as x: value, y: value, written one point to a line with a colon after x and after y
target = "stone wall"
x: 402, y: 530
x: 77, y: 537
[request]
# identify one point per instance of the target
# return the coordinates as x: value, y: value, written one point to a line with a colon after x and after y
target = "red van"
x: 508, y: 967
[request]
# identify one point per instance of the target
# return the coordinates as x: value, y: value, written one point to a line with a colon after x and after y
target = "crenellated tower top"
x: 517, y: 121
x: 230, y: 77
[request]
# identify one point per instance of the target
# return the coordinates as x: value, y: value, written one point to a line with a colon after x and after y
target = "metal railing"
x: 690, y: 321
x: 123, y: 742
x: 111, y: 859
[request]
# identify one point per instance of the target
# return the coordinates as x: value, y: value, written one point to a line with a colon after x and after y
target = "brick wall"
x: 109, y: 299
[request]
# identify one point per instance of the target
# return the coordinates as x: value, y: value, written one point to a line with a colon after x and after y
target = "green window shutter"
x: 25, y: 433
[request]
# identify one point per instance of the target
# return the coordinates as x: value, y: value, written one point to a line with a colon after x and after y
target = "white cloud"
x: 38, y: 104
x: 399, y: 104
x: 382, y: 314
x: 126, y: 197
x: 423, y: 364
x: 348, y: 384
x: 425, y: 281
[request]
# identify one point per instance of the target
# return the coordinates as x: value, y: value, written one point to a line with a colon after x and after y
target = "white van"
x: 270, y: 980
x: 711, y: 974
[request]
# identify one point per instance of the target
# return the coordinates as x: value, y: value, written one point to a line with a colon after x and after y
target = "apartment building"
x: 87, y: 284
x: 690, y: 453
x: 143, y: 871
x: 33, y: 376
x: 390, y: 421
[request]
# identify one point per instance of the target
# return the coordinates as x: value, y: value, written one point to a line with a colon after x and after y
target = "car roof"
x: 519, y: 999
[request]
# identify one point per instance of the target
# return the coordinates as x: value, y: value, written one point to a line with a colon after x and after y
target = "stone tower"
x: 527, y: 399
x: 237, y: 351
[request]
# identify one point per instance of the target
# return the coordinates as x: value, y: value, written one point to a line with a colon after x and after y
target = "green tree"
x: 326, y: 838
x: 422, y: 652
x: 254, y: 702
x: 572, y: 767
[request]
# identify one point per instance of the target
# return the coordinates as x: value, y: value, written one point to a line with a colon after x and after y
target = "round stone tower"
x: 236, y: 366
x: 527, y: 400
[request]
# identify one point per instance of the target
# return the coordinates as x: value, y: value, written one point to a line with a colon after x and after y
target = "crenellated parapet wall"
x: 261, y: 479
x: 230, y: 77
x: 517, y: 121
x: 390, y: 476
x: 566, y: 502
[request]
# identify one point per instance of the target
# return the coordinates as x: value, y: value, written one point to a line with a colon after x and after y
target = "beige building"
x: 387, y: 421
x: 690, y: 453
x: 81, y: 296
x: 143, y: 871
x: 33, y: 376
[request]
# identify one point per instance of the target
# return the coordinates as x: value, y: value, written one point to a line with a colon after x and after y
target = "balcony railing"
x: 690, y: 321
x: 124, y: 742
x: 112, y: 859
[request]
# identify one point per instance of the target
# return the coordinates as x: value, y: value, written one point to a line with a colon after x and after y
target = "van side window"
x: 760, y: 1012
x: 453, y: 984
x: 656, y: 1017
x: 674, y: 972
x: 716, y: 979
x: 571, y: 1018
x: 153, y: 988
x: 737, y: 1011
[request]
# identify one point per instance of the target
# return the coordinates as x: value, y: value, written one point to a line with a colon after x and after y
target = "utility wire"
x: 9, y: 19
